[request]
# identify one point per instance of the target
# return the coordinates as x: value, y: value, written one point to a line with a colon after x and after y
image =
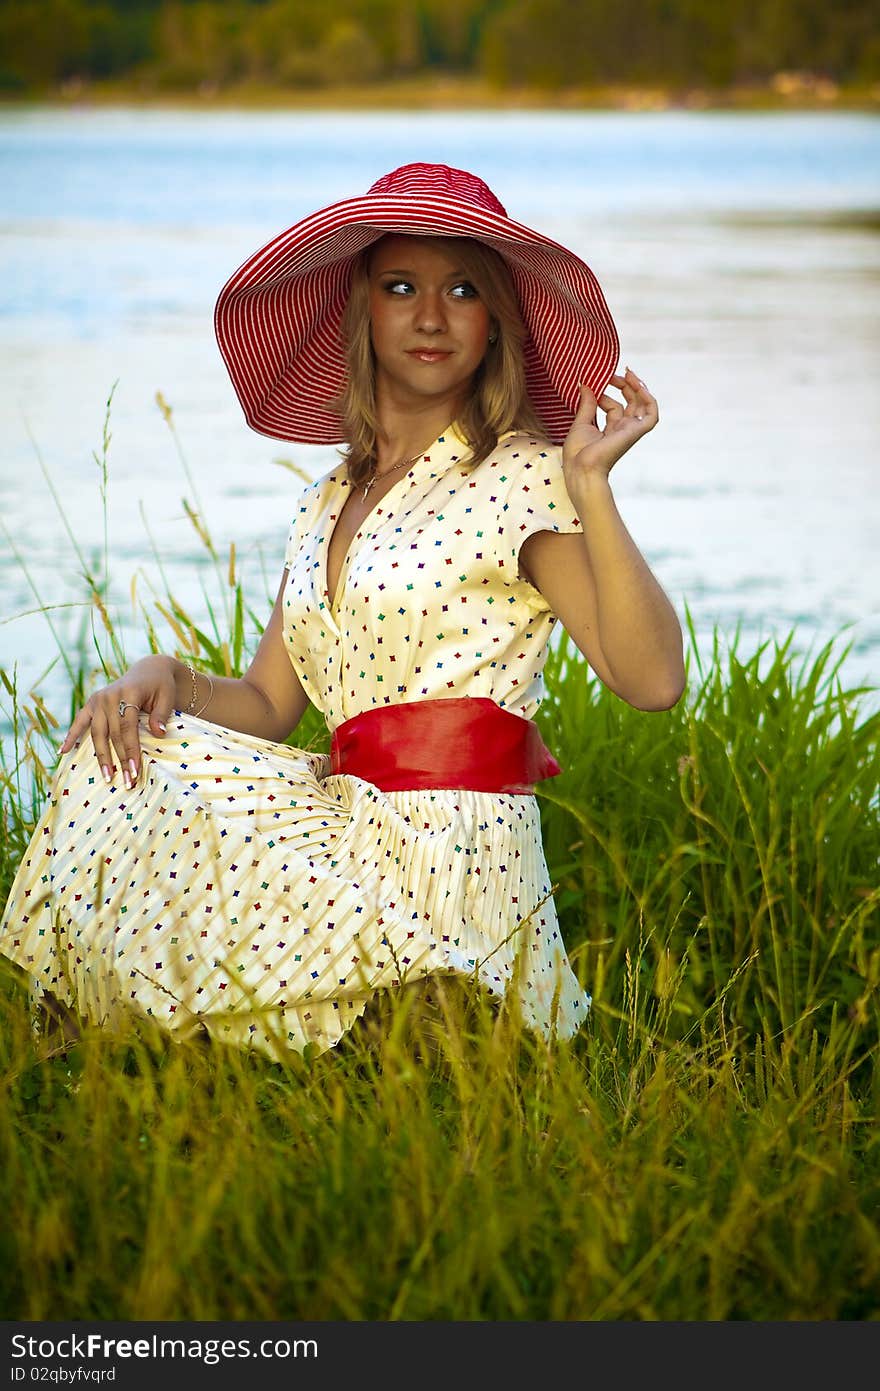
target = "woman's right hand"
x: 149, y: 686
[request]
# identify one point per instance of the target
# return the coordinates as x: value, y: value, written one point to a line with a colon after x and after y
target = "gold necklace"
x: 404, y: 463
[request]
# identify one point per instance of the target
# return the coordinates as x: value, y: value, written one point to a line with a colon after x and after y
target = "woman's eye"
x: 463, y: 290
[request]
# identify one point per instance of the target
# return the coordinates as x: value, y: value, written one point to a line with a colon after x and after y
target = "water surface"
x: 739, y: 254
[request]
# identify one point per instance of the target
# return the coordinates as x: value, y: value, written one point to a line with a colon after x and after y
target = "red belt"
x: 467, y: 742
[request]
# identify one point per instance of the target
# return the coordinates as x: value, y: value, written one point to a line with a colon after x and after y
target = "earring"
x: 493, y: 338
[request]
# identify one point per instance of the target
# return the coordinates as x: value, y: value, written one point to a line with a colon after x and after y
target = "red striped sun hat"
x: 278, y: 318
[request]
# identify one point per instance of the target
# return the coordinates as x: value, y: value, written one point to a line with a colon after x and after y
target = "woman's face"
x: 428, y: 325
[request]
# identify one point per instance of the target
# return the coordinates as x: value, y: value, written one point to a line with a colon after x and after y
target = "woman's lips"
x: 427, y: 355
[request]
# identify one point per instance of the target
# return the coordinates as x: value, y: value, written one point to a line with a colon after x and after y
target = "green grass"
x: 706, y: 1148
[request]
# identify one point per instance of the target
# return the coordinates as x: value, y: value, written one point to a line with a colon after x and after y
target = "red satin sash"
x: 465, y: 742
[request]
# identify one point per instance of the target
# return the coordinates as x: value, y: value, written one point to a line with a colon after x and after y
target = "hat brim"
x: 278, y: 318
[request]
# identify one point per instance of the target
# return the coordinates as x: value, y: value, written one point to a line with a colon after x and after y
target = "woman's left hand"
x: 588, y: 449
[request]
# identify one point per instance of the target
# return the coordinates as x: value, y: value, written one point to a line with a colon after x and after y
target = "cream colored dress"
x: 244, y: 886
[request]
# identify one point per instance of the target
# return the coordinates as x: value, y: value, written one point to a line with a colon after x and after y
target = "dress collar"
x: 450, y: 447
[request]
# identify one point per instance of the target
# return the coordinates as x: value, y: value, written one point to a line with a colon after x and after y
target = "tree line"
x: 550, y: 44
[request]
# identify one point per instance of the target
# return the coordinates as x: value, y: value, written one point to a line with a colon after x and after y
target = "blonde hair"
x: 499, y: 400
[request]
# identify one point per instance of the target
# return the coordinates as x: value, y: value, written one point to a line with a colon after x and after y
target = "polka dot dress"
x: 244, y: 888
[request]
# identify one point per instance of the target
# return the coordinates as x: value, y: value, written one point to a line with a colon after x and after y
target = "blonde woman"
x: 193, y: 867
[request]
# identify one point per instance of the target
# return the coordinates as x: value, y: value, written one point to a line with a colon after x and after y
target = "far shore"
x: 794, y: 91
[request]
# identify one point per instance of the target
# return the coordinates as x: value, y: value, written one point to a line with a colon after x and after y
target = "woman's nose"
x: 430, y: 313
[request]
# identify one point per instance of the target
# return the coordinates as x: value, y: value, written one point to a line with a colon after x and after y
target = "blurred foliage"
x: 185, y: 44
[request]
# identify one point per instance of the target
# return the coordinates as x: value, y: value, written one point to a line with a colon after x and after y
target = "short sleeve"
x: 537, y: 500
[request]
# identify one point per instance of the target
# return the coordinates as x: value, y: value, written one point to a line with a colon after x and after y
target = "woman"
x: 192, y: 867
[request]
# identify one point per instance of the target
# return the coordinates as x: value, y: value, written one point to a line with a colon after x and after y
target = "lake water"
x: 739, y: 253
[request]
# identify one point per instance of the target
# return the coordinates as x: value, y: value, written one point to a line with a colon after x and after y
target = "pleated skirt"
x: 242, y: 889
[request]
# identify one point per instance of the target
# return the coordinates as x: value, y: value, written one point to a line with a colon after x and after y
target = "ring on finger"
x: 126, y: 705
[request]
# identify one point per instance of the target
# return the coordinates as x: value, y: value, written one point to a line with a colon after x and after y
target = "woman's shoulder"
x: 311, y: 489
x: 535, y: 496
x: 307, y: 503
x: 526, y: 442
x: 523, y: 454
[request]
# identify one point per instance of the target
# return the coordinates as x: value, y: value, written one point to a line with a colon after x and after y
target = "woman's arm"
x: 599, y: 584
x: 268, y: 701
